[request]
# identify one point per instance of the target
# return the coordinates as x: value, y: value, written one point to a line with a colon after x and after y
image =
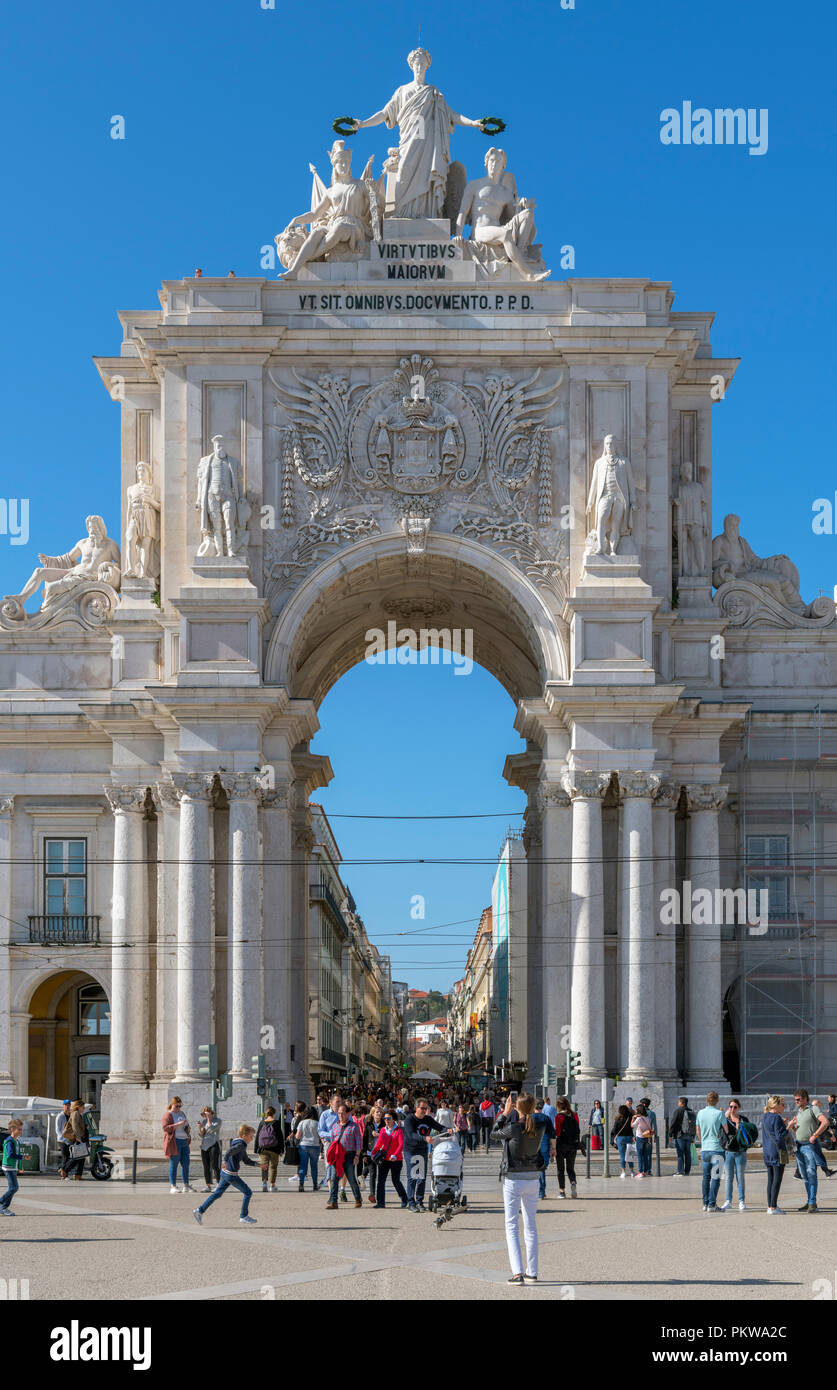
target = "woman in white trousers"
x: 521, y: 1131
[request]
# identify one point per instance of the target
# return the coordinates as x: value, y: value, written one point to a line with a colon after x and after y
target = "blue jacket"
x: 773, y: 1133
x: 236, y: 1155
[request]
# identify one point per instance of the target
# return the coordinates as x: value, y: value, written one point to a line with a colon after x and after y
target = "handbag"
x: 630, y: 1153
x: 290, y: 1158
x: 79, y: 1150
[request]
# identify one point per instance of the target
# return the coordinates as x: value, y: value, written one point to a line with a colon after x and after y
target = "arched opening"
x: 417, y: 665
x: 69, y: 1037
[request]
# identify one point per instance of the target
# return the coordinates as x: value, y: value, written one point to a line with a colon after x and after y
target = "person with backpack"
x: 521, y: 1131
x: 269, y: 1146
x: 488, y: 1113
x: 682, y: 1130
x: 12, y: 1164
x: 737, y: 1140
x: 567, y: 1135
x: 230, y: 1177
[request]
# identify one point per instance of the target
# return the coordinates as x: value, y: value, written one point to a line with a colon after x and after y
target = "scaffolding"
x: 783, y: 999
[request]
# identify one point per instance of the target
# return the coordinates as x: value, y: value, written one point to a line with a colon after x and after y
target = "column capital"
x: 706, y: 796
x: 532, y: 830
x: 278, y: 796
x: 588, y: 785
x: 126, y: 798
x: 639, y: 784
x: 666, y: 796
x: 241, y: 786
x: 191, y: 786
x: 7, y: 805
x: 552, y: 794
x: 304, y: 836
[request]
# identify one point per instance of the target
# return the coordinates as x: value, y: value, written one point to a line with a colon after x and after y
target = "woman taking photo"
x: 521, y: 1131
x: 176, y: 1137
x: 774, y: 1138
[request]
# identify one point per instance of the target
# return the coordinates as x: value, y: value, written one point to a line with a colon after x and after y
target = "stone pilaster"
x: 129, y: 937
x: 168, y: 854
x: 665, y: 988
x: 587, y: 1035
x: 245, y: 1009
x: 704, y: 1003
x: 278, y: 926
x: 194, y: 920
x: 7, y: 1075
x: 556, y: 917
x: 637, y: 920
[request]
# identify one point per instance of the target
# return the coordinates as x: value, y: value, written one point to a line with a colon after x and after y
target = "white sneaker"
x: 274, y: 1188
x: 207, y: 1188
x: 741, y: 1206
x: 623, y: 1175
x: 704, y: 1208
x: 172, y: 1190
x: 562, y: 1196
x: 246, y: 1220
x: 725, y: 1206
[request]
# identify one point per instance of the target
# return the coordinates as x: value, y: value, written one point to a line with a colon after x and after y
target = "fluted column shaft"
x: 704, y: 1011
x: 587, y: 1032
x: 129, y: 936
x: 665, y: 974
x: 556, y: 917
x: 6, y: 1070
x: 194, y: 922
x: 637, y: 918
x: 245, y: 911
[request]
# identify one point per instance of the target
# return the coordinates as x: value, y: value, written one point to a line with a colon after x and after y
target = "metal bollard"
x: 657, y: 1142
x: 589, y: 1146
x: 606, y: 1141
x: 134, y: 1162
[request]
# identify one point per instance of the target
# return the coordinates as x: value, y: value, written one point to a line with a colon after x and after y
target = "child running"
x: 12, y: 1160
x: 236, y: 1155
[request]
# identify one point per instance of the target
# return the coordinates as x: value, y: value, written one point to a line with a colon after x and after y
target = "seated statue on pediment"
x: 502, y: 224
x: 94, y: 558
x: 346, y: 217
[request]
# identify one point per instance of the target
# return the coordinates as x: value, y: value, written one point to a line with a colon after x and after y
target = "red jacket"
x: 391, y: 1145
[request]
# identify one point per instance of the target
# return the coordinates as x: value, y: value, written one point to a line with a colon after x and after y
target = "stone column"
x: 587, y: 1034
x: 194, y: 921
x: 536, y: 990
x: 665, y: 989
x: 129, y: 937
x: 19, y: 1046
x: 168, y: 852
x: 637, y: 919
x: 278, y: 925
x: 556, y: 918
x: 7, y: 1075
x: 704, y: 1003
x: 245, y: 913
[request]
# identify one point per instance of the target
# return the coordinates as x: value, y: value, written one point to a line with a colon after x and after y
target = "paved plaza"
x: 618, y: 1240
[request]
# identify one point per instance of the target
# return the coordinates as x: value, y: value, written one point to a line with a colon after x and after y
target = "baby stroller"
x: 446, y: 1193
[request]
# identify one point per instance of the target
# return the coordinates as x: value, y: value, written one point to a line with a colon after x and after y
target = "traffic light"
x: 550, y: 1077
x: 573, y: 1063
x: 208, y: 1060
x: 257, y: 1070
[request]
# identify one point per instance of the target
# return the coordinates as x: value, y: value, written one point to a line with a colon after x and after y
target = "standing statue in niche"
x: 223, y: 507
x: 733, y: 558
x: 610, y: 501
x: 692, y: 525
x: 503, y: 225
x: 425, y: 123
x: 94, y: 558
x: 142, y: 531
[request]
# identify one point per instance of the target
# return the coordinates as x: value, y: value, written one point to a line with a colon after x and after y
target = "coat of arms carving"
x: 416, y: 434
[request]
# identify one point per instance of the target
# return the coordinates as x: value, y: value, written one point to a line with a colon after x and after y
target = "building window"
x: 65, y: 878
x: 93, y: 1013
x: 770, y: 851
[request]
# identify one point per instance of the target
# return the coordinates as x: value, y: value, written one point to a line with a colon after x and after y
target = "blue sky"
x: 226, y: 103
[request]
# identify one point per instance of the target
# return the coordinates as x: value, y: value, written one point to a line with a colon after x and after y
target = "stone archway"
x: 321, y: 632
x: 67, y: 1044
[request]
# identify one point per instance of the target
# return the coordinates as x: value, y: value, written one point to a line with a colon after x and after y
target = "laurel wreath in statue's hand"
x: 492, y: 125
x: 345, y: 126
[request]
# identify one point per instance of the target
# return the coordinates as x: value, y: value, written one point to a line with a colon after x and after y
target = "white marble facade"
x: 406, y: 428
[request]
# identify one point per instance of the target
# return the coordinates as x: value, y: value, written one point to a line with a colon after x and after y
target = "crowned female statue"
x: 425, y: 122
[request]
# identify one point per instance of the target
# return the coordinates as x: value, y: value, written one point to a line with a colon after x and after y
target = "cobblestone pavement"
x: 618, y: 1240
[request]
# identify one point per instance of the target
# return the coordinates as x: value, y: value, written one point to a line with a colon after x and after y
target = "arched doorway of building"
x: 731, y: 1035
x: 69, y: 1037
